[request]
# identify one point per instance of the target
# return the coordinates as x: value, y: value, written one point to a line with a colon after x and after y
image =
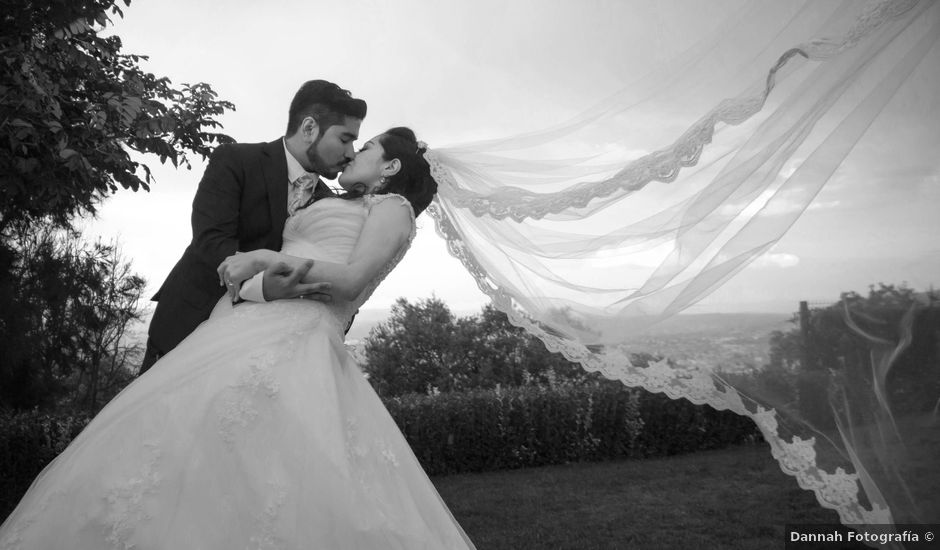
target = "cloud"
x: 790, y: 207
x: 773, y: 203
x: 776, y: 260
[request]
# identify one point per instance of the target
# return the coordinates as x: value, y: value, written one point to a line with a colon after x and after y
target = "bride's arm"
x: 385, y: 231
x: 387, y: 228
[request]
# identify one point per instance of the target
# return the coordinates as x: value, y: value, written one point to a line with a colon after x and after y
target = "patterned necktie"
x: 301, y: 189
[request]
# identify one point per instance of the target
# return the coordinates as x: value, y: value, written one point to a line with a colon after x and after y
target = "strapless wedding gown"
x: 258, y: 431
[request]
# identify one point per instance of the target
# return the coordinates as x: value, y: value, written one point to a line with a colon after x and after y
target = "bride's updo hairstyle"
x: 413, y: 181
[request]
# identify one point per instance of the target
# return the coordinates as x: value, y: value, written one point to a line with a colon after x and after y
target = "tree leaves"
x: 72, y: 106
x: 72, y: 103
x: 424, y: 348
x: 64, y: 312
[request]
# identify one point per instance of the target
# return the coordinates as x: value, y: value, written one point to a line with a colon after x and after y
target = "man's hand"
x: 283, y: 280
x: 240, y: 267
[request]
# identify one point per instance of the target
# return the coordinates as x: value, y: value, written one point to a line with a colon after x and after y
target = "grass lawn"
x: 735, y: 498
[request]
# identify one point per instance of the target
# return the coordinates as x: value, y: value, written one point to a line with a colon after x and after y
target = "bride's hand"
x: 240, y: 267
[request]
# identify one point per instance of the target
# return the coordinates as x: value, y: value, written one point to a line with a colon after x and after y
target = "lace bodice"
x: 328, y: 230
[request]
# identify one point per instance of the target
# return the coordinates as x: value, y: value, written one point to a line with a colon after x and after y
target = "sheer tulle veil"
x: 592, y: 231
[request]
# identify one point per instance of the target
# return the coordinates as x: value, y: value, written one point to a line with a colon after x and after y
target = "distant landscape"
x: 732, y: 340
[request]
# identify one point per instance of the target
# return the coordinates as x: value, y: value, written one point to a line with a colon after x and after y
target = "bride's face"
x: 365, y: 172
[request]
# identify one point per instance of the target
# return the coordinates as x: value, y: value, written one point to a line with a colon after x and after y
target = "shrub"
x: 28, y: 442
x: 518, y: 427
x: 536, y: 425
x: 674, y: 426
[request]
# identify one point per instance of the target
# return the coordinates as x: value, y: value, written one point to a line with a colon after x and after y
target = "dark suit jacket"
x: 241, y: 205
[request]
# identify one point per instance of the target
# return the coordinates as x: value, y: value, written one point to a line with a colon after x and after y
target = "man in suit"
x: 243, y: 200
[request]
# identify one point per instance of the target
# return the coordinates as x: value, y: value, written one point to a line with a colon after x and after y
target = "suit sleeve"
x: 216, y: 208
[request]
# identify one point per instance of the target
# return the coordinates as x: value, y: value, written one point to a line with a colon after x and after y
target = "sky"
x: 461, y: 70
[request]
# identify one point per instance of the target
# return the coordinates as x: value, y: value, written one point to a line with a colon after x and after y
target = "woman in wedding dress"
x: 259, y: 430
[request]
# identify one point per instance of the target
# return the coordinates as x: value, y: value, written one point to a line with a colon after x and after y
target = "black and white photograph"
x: 469, y: 274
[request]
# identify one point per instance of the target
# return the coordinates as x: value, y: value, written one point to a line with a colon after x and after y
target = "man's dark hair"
x: 326, y: 102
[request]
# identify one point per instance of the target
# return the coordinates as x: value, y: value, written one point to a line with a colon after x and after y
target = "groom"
x: 243, y: 200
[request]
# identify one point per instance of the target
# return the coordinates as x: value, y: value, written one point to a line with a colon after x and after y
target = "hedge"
x: 533, y: 426
x: 29, y: 441
x: 518, y: 427
x: 465, y: 432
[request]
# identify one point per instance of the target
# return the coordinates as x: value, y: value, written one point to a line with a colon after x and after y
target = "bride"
x: 259, y: 430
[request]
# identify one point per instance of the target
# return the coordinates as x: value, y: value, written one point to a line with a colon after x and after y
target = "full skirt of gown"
x: 259, y: 431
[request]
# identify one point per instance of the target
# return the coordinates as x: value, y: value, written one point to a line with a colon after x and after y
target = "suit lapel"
x: 274, y: 167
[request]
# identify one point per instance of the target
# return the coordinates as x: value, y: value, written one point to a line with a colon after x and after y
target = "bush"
x: 675, y: 426
x: 517, y: 427
x: 530, y: 426
x: 28, y: 442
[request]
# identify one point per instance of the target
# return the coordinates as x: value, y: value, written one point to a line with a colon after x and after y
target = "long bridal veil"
x: 592, y: 231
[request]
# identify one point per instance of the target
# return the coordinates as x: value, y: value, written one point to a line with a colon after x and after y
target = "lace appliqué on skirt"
x: 238, y: 407
x: 360, y: 450
x: 266, y: 539
x: 125, y: 503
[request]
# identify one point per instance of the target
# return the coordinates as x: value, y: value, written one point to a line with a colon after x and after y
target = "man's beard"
x: 317, y: 163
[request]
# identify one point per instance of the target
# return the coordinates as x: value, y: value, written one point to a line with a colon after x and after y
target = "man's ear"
x: 309, y: 129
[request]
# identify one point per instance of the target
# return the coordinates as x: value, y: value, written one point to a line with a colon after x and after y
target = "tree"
x: 414, y: 350
x: 73, y: 107
x: 510, y: 356
x: 849, y: 339
x: 64, y: 339
x: 423, y: 347
x: 74, y: 112
x: 105, y: 319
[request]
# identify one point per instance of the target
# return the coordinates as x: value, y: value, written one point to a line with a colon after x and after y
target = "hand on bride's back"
x: 284, y: 280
